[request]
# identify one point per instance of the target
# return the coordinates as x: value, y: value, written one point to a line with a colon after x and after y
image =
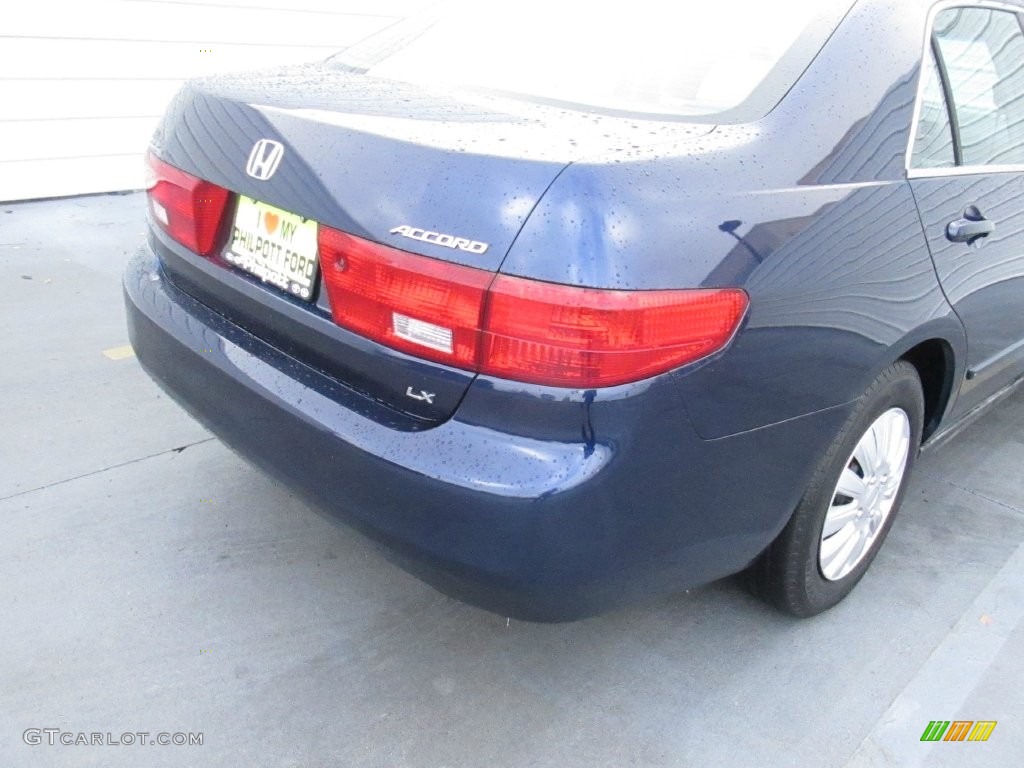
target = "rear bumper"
x: 581, y: 501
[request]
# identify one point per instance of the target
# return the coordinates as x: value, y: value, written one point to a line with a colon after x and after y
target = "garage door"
x: 83, y: 82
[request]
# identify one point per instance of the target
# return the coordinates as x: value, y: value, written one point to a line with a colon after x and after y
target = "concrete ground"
x: 150, y: 581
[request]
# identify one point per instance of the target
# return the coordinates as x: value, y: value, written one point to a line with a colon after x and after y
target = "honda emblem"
x: 264, y: 159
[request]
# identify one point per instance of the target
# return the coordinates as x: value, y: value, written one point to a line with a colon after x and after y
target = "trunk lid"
x: 437, y: 172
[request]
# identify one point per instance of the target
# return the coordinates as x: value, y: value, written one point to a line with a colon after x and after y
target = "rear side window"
x: 933, y: 145
x: 980, y: 53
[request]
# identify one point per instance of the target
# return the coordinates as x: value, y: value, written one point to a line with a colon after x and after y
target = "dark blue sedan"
x: 568, y: 308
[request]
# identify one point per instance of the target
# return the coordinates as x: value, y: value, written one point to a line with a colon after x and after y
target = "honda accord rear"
x: 566, y: 307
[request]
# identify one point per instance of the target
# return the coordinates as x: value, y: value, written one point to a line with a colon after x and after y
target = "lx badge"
x: 426, y: 397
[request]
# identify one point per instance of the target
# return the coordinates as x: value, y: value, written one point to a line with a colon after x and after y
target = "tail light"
x: 187, y: 208
x: 520, y: 329
x: 376, y: 291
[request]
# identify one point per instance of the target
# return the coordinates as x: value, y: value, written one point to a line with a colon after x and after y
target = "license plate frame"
x: 276, y: 246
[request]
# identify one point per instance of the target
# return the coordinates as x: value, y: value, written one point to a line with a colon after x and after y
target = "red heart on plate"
x: 270, y: 221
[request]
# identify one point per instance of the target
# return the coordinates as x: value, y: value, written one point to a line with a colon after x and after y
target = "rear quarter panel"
x: 808, y: 210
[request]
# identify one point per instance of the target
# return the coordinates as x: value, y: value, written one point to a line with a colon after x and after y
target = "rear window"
x: 686, y: 60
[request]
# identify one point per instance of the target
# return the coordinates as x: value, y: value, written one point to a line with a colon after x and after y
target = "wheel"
x: 849, y: 506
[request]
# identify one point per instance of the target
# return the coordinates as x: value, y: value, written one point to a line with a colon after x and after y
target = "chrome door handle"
x: 972, y: 229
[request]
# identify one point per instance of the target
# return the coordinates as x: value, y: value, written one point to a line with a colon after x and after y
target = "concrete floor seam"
x: 972, y: 492
x: 105, y: 469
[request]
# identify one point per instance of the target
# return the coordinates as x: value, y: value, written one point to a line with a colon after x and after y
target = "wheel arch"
x: 938, y: 350
x: 936, y: 365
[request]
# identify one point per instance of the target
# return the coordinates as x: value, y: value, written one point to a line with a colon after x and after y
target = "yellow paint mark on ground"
x: 119, y: 353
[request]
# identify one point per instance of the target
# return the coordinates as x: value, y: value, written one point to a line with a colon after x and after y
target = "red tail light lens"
x: 187, y: 208
x: 422, y: 306
x: 520, y: 329
x: 583, y: 337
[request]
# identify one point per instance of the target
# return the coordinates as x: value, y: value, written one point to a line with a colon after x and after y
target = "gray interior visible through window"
x: 933, y: 145
x: 981, y: 53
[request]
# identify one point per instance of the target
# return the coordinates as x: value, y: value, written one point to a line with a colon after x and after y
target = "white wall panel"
x: 83, y: 82
x: 90, y: 59
x: 62, y: 98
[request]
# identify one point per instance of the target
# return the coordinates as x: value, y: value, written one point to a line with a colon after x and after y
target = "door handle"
x: 972, y: 229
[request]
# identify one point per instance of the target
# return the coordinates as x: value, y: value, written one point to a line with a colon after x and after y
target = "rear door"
x: 967, y: 173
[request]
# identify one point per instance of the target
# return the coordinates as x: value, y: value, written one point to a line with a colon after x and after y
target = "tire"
x: 808, y: 569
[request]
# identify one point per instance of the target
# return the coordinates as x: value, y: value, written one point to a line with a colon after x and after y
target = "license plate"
x: 276, y: 246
